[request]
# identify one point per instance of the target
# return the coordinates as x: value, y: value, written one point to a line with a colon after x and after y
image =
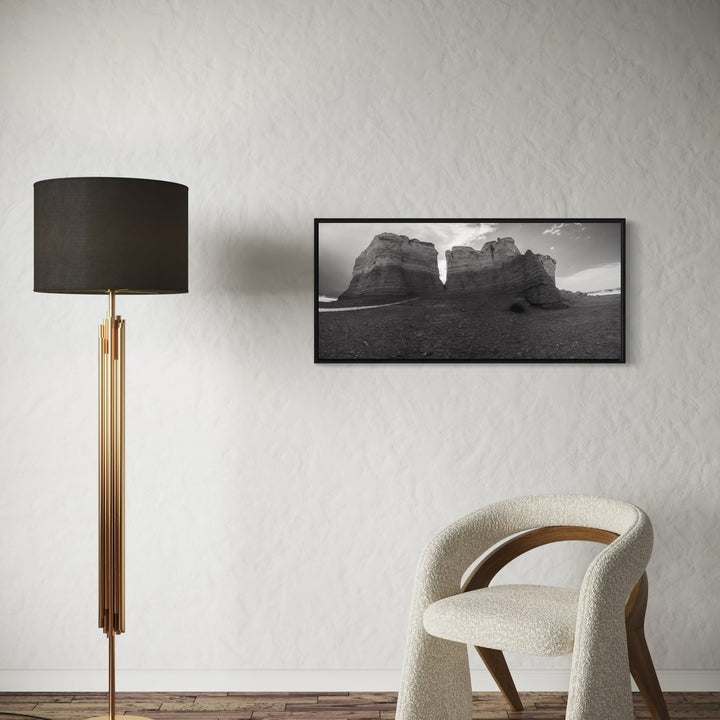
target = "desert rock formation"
x: 395, y: 266
x: 500, y: 268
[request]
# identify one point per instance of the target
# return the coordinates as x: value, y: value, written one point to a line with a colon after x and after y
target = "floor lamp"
x: 112, y: 236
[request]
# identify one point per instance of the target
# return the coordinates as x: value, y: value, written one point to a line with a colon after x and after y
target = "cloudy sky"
x: 587, y: 254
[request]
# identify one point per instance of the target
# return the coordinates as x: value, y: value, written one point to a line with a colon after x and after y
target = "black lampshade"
x: 94, y: 234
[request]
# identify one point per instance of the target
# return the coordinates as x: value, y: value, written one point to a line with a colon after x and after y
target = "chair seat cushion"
x: 527, y: 619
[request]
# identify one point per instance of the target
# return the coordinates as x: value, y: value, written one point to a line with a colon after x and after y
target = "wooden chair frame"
x: 641, y: 664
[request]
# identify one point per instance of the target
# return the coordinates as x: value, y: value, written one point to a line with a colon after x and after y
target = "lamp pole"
x: 111, y: 484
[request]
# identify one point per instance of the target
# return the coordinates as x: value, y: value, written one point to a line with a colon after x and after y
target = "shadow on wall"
x: 259, y: 263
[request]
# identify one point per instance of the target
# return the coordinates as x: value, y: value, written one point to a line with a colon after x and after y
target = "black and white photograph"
x: 481, y: 290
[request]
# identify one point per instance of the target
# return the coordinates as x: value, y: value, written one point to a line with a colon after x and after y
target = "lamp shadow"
x: 264, y: 263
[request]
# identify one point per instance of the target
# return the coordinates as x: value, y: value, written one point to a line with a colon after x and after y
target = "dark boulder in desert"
x: 518, y: 305
x: 395, y: 266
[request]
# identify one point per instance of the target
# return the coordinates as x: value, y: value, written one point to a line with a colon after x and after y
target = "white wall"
x: 277, y: 508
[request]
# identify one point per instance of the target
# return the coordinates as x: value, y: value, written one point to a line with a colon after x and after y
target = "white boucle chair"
x: 601, y: 624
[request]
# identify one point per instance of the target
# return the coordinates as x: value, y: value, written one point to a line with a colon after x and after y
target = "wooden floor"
x: 312, y: 706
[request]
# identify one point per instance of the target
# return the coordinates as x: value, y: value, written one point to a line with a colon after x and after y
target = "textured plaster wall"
x: 276, y: 508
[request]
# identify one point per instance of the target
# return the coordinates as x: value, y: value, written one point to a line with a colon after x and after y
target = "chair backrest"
x: 460, y: 544
x: 537, y: 511
x: 484, y: 572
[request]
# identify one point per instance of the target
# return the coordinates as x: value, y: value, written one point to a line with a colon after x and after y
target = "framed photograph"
x: 480, y: 290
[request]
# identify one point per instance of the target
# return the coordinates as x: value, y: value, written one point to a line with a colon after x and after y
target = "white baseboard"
x: 302, y: 680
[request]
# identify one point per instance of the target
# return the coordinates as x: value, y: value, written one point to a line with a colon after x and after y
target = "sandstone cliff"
x: 394, y: 266
x: 500, y: 268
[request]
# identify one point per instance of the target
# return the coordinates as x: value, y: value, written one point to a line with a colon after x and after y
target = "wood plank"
x: 205, y: 703
x: 328, y: 714
x: 123, y: 705
x: 34, y: 698
x: 18, y: 707
x: 670, y: 698
x: 308, y: 700
x: 358, y: 698
x: 379, y: 706
x: 286, y: 694
x: 697, y: 697
x: 214, y: 715
x: 686, y: 711
x: 37, y: 693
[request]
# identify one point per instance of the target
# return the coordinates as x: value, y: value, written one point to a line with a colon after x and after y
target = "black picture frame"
x: 506, y: 311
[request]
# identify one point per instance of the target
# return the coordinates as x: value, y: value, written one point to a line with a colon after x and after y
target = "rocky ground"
x: 472, y: 328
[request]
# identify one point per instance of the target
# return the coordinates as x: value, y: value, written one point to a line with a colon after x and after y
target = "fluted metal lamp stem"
x: 111, y: 484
